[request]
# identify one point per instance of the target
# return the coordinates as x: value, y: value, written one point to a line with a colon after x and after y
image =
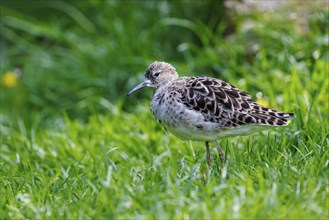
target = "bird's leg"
x: 208, y: 162
x: 208, y: 154
x: 220, y: 154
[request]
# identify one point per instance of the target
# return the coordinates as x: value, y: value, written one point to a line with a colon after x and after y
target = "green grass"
x: 73, y: 146
x: 124, y: 165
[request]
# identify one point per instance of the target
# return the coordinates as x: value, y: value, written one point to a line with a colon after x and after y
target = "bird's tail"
x: 271, y: 117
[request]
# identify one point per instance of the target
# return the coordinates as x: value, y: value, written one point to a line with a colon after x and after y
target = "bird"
x: 200, y: 108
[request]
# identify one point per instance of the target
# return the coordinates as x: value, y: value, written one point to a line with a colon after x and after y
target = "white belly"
x: 213, y: 133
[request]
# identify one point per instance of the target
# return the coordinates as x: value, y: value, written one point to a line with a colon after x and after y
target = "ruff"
x: 204, y: 108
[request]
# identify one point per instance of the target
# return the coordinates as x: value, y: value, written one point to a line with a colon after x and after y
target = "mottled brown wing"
x: 228, y: 106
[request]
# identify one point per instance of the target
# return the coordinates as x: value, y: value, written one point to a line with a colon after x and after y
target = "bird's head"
x: 156, y: 74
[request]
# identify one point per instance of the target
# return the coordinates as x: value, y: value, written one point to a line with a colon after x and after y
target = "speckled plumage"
x: 204, y: 108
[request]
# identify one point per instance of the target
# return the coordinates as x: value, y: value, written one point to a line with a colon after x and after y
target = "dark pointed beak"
x: 140, y: 86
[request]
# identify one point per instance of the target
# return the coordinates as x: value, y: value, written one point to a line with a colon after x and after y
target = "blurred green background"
x: 73, y: 145
x: 71, y: 55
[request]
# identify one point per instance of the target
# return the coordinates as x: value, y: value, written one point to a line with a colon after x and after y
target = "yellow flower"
x: 9, y: 79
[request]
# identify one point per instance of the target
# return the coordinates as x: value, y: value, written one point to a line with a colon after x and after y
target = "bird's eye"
x: 156, y: 74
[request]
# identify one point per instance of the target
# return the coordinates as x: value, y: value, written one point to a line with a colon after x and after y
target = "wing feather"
x: 227, y: 105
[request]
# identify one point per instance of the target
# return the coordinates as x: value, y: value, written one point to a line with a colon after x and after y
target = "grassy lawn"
x: 73, y: 146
